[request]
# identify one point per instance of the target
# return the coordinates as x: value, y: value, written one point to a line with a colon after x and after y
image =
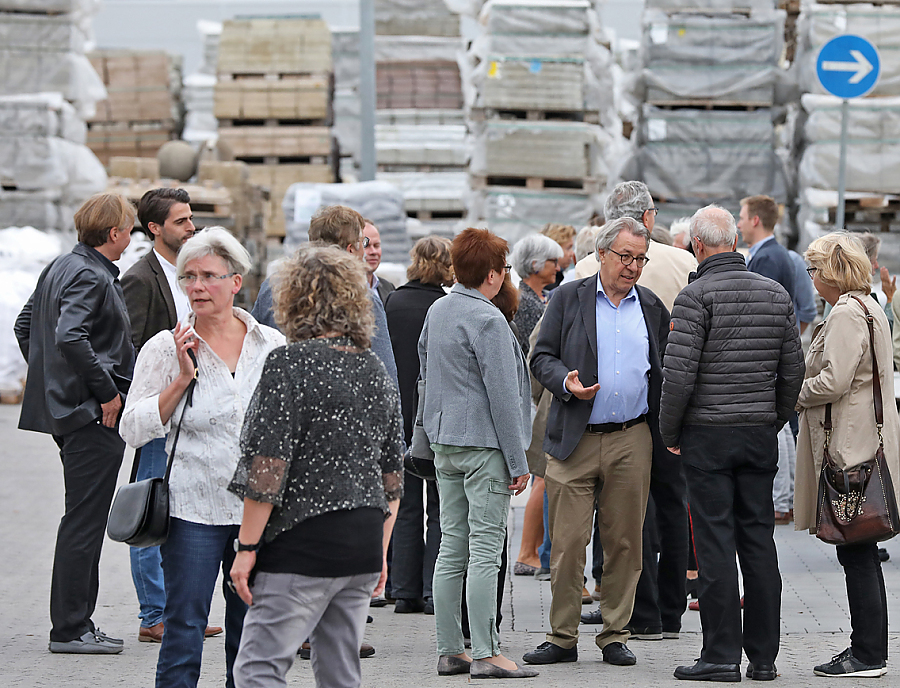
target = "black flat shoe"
x: 761, y: 672
x: 592, y: 617
x: 407, y: 606
x: 548, y: 653
x: 619, y: 655
x: 448, y: 665
x: 704, y: 671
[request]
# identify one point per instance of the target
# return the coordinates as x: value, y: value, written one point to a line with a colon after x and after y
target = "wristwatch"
x: 241, y: 547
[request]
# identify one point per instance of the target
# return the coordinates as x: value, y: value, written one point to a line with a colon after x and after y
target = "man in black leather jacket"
x: 75, y: 334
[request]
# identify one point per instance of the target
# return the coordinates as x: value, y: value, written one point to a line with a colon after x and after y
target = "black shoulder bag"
x: 140, y: 511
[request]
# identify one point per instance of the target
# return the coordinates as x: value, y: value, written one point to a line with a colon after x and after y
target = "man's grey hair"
x: 606, y: 237
x: 531, y: 252
x: 714, y: 226
x: 215, y: 241
x: 584, y: 241
x: 628, y: 199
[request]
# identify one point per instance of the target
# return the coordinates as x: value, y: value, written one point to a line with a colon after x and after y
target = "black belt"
x: 616, y: 427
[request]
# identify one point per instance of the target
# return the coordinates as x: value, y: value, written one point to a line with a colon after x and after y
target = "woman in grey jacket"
x: 478, y: 418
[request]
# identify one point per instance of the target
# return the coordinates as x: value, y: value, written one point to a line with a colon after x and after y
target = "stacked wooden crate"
x: 273, y: 101
x: 143, y: 109
x: 873, y: 129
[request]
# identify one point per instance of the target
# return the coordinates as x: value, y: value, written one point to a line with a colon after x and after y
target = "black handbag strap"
x: 876, y: 381
x: 189, y: 401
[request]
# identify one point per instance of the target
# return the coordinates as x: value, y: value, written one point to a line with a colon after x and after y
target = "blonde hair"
x: 99, y: 214
x: 841, y: 261
x: 561, y: 234
x: 431, y: 261
x: 322, y: 289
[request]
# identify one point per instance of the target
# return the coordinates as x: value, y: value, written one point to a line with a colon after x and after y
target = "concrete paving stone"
x: 815, y: 621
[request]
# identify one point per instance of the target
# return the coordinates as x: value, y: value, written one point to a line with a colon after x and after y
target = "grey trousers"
x: 783, y: 487
x: 287, y: 608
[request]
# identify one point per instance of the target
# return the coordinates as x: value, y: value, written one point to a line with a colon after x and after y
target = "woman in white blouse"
x: 231, y: 348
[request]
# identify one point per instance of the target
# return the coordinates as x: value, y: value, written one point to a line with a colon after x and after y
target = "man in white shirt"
x: 156, y: 303
x: 372, y: 257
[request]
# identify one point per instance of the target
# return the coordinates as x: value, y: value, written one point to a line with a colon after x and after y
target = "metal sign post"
x: 367, y: 90
x: 848, y: 67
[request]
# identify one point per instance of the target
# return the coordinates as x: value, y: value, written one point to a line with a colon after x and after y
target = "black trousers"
x: 415, y: 540
x: 91, y: 457
x: 660, y: 599
x: 868, y: 601
x: 729, y: 473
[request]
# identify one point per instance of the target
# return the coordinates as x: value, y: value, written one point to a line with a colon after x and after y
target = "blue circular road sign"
x: 848, y: 66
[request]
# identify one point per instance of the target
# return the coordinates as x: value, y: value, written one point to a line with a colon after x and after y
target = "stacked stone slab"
x: 710, y: 80
x: 143, y: 109
x: 200, y: 123
x: 873, y: 152
x: 47, y: 89
x: 538, y: 87
x: 273, y: 100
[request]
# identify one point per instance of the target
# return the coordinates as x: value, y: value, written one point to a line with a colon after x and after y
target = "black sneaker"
x: 845, y: 664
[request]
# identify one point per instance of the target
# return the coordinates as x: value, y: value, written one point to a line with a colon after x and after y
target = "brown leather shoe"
x: 586, y: 596
x: 154, y: 634
x: 151, y: 634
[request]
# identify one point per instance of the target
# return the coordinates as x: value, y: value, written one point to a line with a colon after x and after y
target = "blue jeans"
x: 191, y: 558
x: 544, y: 549
x: 146, y: 567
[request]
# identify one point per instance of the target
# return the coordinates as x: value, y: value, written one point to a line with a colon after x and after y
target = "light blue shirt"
x: 804, y: 294
x: 623, y: 359
x: 758, y: 245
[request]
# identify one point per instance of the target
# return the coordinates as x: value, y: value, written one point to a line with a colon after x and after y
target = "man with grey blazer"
x: 599, y: 352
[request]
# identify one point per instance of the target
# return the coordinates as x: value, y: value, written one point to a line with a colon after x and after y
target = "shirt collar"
x: 165, y: 264
x: 104, y: 261
x: 631, y: 294
x: 758, y: 244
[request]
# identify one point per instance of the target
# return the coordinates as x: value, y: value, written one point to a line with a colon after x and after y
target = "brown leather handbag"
x: 857, y: 504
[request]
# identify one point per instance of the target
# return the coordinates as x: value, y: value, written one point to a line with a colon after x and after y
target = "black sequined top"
x: 323, y: 433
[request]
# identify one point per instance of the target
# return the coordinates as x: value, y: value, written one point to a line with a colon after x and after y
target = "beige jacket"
x: 665, y: 274
x: 839, y: 371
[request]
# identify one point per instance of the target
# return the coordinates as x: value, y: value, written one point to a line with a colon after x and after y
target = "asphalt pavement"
x: 815, y: 620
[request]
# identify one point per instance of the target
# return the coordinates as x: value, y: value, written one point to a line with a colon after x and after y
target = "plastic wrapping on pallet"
x: 515, y: 212
x: 24, y: 253
x: 743, y: 84
x: 43, y: 209
x: 880, y: 24
x: 345, y: 55
x: 415, y: 18
x: 210, y: 36
x: 548, y: 149
x: 712, y: 40
x: 41, y: 162
x: 40, y: 114
x: 379, y: 201
x: 345, y: 106
x: 422, y: 144
x: 435, y: 192
x: 872, y: 165
x: 874, y: 119
x: 717, y: 5
x: 539, y: 27
x: 417, y: 48
x: 711, y: 154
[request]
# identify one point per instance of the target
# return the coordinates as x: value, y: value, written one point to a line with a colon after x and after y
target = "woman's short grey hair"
x: 628, y: 199
x: 584, y: 241
x: 215, y: 241
x: 531, y: 252
x: 714, y: 226
x: 871, y: 243
x: 606, y: 237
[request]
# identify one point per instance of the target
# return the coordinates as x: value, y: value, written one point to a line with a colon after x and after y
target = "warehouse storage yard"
x: 508, y: 114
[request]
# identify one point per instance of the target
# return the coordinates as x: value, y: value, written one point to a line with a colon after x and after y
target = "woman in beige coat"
x: 839, y: 372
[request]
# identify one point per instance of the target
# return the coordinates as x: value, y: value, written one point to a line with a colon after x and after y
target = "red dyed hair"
x: 474, y: 253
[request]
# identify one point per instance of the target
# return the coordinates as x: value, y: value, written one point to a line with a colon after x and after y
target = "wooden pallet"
x: 579, y: 186
x: 872, y: 213
x: 704, y: 104
x: 427, y: 215
x: 211, y: 203
x: 421, y: 168
x: 479, y: 114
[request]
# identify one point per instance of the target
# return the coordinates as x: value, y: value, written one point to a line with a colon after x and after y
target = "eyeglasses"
x: 629, y: 259
x: 652, y: 210
x: 365, y: 242
x: 811, y: 271
x: 206, y: 278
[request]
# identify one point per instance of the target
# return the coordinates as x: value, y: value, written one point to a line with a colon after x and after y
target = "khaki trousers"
x: 614, y: 469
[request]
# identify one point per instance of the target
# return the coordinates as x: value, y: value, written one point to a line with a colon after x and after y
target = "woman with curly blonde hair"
x: 320, y: 475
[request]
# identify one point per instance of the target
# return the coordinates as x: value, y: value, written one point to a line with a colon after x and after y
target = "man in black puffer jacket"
x: 732, y: 373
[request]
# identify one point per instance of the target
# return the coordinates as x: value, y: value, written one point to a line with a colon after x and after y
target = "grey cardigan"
x: 477, y: 392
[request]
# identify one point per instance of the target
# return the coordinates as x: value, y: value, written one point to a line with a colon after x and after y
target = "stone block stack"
x: 710, y: 82
x: 273, y: 101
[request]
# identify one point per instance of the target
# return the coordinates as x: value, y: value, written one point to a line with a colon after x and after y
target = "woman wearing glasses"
x: 478, y: 418
x: 536, y: 259
x: 230, y: 348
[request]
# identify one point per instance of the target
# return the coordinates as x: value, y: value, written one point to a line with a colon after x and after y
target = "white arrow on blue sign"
x: 848, y: 66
